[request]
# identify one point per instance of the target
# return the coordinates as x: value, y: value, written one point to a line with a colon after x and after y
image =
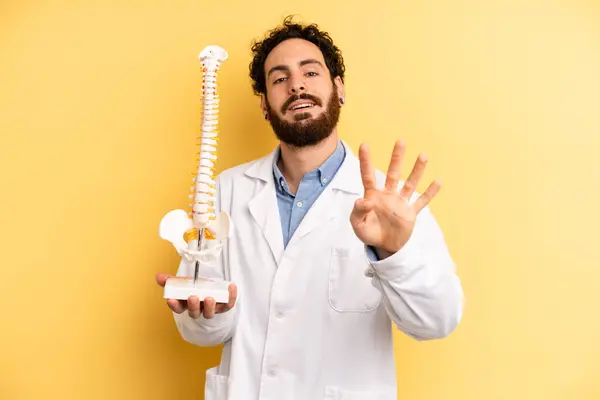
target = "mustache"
x: 303, y: 96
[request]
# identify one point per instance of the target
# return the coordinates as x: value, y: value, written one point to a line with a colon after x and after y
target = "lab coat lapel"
x: 263, y: 207
x: 328, y: 205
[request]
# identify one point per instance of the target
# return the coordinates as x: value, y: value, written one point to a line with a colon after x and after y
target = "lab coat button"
x: 279, y: 314
x: 271, y: 372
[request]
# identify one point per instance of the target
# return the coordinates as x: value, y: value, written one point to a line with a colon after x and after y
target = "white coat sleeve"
x: 420, y: 289
x: 220, y: 328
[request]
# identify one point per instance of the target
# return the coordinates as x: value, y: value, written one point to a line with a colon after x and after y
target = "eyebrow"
x: 286, y: 68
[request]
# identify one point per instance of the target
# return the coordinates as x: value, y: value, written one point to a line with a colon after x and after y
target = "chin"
x: 305, y: 116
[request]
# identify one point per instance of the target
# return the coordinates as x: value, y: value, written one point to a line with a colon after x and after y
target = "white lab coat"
x: 314, y: 321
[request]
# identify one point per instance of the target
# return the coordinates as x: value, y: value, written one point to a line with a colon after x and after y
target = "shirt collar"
x: 328, y: 169
x: 280, y: 182
x: 324, y: 173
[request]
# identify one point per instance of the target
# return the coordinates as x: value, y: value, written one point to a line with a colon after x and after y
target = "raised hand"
x: 383, y: 218
x: 194, y: 306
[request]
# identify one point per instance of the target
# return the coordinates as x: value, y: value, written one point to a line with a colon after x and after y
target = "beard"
x: 306, y: 130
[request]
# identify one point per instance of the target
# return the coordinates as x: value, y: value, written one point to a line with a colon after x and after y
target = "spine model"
x: 188, y: 231
x: 203, y: 192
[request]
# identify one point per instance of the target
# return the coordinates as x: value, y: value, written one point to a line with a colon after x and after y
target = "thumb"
x: 161, y: 278
x: 361, y: 208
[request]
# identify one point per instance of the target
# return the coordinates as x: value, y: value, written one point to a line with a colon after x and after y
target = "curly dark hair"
x: 290, y: 30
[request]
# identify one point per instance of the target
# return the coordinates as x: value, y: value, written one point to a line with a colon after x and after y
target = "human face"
x: 302, y: 101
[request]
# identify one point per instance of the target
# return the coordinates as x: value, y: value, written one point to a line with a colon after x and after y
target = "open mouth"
x: 301, y: 105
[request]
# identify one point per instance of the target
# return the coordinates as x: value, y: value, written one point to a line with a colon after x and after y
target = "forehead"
x: 291, y: 52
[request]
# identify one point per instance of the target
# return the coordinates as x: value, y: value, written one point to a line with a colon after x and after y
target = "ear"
x: 263, y: 103
x: 340, y: 87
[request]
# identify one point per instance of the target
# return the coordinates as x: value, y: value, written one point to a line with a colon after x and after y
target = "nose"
x: 297, y: 88
x: 297, y: 85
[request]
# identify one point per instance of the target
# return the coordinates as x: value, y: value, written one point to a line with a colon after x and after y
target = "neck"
x: 294, y: 162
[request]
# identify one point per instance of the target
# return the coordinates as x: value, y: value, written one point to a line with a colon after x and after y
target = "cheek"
x: 323, y: 92
x: 325, y: 97
x: 276, y: 99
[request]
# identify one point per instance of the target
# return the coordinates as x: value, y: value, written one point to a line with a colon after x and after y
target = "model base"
x: 181, y: 288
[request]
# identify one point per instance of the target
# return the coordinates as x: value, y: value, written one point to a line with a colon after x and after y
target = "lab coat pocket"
x: 349, y: 289
x: 337, y: 393
x: 217, y: 386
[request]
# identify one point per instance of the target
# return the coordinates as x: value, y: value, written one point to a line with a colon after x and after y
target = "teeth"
x: 306, y: 105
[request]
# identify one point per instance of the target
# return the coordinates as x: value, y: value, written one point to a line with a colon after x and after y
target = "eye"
x: 311, y: 74
x: 279, y: 80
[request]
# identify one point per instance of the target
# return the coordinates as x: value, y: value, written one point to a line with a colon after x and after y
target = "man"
x: 327, y: 252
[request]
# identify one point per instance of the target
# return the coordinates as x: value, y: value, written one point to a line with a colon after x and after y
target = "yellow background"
x: 99, y: 109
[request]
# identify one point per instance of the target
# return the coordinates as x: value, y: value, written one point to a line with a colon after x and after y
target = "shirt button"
x: 279, y: 314
x: 299, y: 204
x: 324, y: 180
x: 271, y: 372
